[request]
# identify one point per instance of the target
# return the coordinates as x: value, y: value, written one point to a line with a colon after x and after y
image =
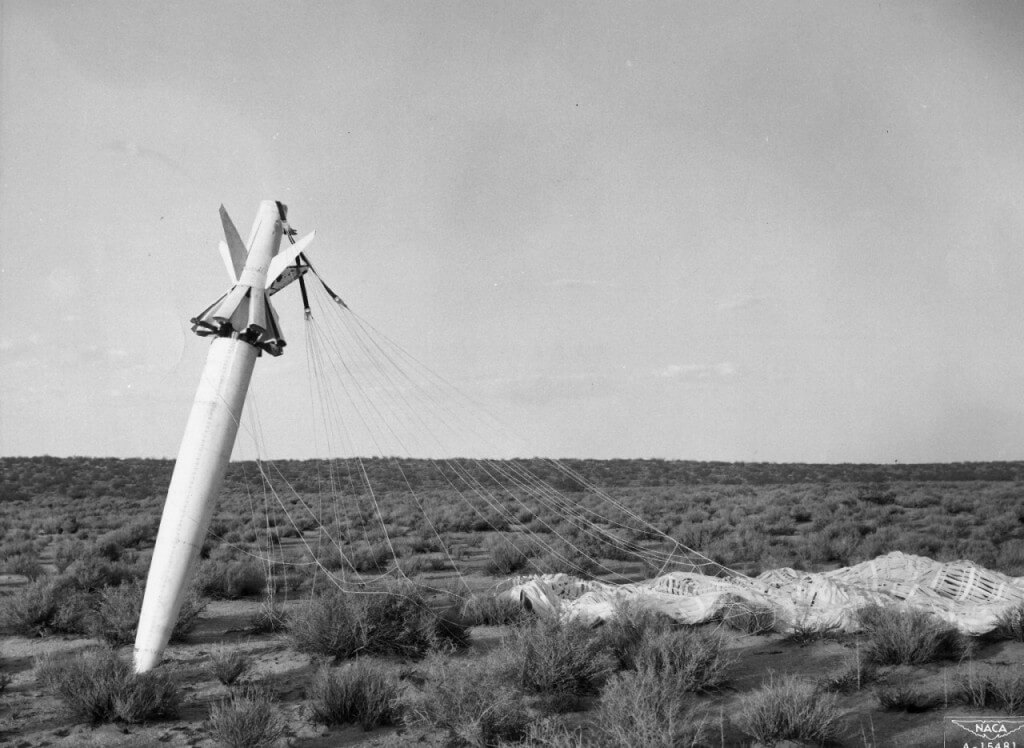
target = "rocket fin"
x: 275, y: 324
x: 236, y: 249
x: 232, y: 300
x: 258, y: 309
x: 286, y: 257
x: 225, y: 254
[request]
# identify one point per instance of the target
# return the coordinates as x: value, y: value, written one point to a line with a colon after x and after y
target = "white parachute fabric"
x: 966, y: 595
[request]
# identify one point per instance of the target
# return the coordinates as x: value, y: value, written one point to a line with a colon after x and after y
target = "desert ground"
x: 303, y: 592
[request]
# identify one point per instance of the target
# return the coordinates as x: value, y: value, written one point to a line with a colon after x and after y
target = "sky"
x: 702, y: 230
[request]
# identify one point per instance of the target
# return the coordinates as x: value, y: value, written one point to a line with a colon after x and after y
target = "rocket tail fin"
x: 236, y: 250
x: 286, y: 257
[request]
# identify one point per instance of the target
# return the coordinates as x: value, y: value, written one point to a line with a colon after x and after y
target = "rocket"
x: 243, y: 325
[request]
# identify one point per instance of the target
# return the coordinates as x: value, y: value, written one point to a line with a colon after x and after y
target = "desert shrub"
x: 900, y: 694
x: 232, y: 579
x: 271, y: 618
x: 116, y: 615
x: 492, y: 610
x: 98, y: 686
x: 852, y: 675
x: 147, y: 696
x: 29, y: 611
x: 329, y: 557
x: 328, y: 625
x: 564, y: 558
x: 24, y: 564
x: 66, y: 553
x: 247, y: 718
x: 804, y: 633
x: 188, y: 617
x: 93, y: 572
x: 505, y: 556
x: 5, y: 679
x: 555, y: 658
x: 426, y: 543
x: 398, y: 622
x: 472, y: 701
x: 228, y: 665
x: 623, y: 632
x: 644, y: 708
x: 369, y: 557
x: 690, y: 659
x: 1010, y: 625
x: 133, y: 535
x: 1011, y: 556
x: 788, y: 708
x: 361, y: 692
x: 993, y: 687
x: 410, y: 566
x: 909, y: 637
x: 750, y: 618
x: 19, y: 543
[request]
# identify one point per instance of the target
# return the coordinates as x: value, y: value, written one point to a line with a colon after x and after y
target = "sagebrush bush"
x: 232, y: 579
x: 645, y: 708
x: 552, y: 657
x: 909, y: 637
x: 329, y: 625
x: 228, y: 665
x: 396, y: 621
x: 852, y: 675
x: 29, y: 611
x: 900, y: 694
x: 369, y: 557
x: 505, y: 556
x: 747, y: 617
x: 472, y: 700
x: 564, y: 558
x: 361, y: 692
x: 789, y: 708
x: 271, y: 618
x: 116, y: 615
x: 1010, y: 625
x: 623, y: 632
x: 93, y: 572
x: 692, y: 659
x: 804, y: 633
x: 993, y: 687
x: 66, y: 552
x: 247, y: 718
x: 99, y: 686
x: 492, y: 610
x: 24, y: 564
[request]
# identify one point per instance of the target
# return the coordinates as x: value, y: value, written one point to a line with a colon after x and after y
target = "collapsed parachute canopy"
x: 960, y: 592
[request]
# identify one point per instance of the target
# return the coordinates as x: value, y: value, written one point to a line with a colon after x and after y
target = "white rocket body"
x: 242, y: 315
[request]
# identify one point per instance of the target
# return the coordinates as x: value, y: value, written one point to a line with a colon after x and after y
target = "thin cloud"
x: 697, y: 372
x: 130, y: 148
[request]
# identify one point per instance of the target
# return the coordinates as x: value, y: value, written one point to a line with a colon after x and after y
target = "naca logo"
x: 989, y: 729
